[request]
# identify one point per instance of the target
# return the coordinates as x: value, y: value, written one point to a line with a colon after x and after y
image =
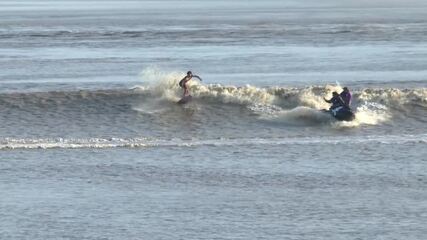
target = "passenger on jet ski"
x: 346, y: 97
x: 336, y: 101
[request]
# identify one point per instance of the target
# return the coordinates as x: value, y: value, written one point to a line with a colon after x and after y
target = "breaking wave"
x: 290, y: 105
x: 372, y: 106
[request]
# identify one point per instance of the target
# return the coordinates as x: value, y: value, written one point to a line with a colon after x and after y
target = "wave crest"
x: 165, y: 85
x: 292, y: 105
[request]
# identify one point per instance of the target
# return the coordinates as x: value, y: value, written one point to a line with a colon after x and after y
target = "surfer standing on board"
x: 183, y: 82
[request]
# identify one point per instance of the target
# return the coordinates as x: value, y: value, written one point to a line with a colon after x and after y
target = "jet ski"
x: 342, y: 113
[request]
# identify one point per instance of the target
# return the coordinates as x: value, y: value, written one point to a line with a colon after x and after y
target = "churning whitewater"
x: 145, y: 115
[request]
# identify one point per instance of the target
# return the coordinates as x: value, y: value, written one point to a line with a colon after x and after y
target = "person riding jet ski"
x: 336, y: 101
x: 340, y: 109
x: 346, y: 97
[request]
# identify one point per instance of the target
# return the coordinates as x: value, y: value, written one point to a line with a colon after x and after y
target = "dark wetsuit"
x: 336, y: 102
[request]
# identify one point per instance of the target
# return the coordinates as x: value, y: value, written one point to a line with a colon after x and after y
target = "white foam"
x: 100, y: 143
x: 165, y: 85
x: 161, y: 84
x: 372, y: 106
x: 395, y: 97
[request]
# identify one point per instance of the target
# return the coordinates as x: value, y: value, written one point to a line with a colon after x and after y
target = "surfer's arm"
x: 197, y: 77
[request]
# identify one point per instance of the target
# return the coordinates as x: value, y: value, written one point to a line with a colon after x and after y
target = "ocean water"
x: 94, y: 146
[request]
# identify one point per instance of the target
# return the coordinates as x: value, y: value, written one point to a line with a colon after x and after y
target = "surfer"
x: 336, y: 101
x: 346, y: 97
x: 183, y: 82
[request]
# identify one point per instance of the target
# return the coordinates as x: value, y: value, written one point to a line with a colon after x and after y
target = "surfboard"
x: 185, y: 99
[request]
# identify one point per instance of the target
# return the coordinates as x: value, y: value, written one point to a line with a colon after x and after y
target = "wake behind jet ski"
x: 340, y: 108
